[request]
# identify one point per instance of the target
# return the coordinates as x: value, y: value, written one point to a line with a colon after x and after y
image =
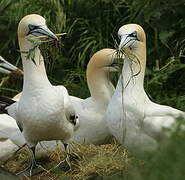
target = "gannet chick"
x: 43, y: 112
x: 132, y: 117
x: 91, y: 111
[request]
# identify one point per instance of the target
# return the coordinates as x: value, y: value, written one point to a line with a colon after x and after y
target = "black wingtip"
x: 6, y: 100
x: 3, y: 108
x: 4, y: 103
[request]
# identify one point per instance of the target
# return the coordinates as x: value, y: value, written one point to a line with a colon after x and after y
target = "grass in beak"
x: 43, y: 39
x: 120, y: 56
x: 118, y: 60
x: 37, y: 41
x: 133, y: 59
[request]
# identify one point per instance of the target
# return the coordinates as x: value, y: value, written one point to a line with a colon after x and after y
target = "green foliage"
x: 93, y: 25
x: 168, y: 162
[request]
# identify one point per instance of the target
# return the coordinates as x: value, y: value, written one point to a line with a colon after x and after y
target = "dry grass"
x: 88, y: 162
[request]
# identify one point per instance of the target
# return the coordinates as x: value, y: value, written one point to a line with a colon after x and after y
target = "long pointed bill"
x: 112, y: 67
x: 126, y: 41
x: 6, y: 67
x: 42, y: 30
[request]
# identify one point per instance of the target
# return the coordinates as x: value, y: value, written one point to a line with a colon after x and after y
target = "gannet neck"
x: 100, y: 87
x: 34, y: 72
x: 134, y: 69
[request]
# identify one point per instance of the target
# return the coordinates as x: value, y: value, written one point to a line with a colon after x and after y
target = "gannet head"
x: 131, y: 36
x: 72, y: 117
x: 105, y: 59
x: 34, y: 25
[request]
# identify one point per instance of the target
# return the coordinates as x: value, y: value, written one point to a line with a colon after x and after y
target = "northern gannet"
x: 43, y: 112
x: 90, y: 111
x: 11, y: 140
x: 132, y: 117
x: 9, y: 137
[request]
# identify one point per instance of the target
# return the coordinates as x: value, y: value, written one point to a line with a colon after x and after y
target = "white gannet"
x: 9, y: 130
x: 10, y: 137
x: 11, y: 140
x: 43, y: 112
x: 90, y: 111
x: 132, y: 117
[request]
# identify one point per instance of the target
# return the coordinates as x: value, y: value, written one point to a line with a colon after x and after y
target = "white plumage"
x: 10, y: 130
x: 132, y: 117
x: 9, y: 137
x: 91, y: 111
x: 44, y: 112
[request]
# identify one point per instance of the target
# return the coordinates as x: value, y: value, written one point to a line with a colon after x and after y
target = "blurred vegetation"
x: 93, y: 25
x: 168, y: 162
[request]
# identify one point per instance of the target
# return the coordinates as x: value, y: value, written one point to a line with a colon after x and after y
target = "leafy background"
x: 92, y: 25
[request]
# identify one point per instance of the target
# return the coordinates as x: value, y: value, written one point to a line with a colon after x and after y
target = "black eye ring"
x: 32, y: 27
x: 72, y: 117
x: 134, y: 34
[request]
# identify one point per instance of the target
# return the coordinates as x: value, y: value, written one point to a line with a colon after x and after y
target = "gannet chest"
x: 44, y: 107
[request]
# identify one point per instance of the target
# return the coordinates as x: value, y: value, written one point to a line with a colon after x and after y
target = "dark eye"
x: 113, y: 64
x: 32, y: 27
x: 119, y: 36
x: 73, y: 119
x: 134, y: 34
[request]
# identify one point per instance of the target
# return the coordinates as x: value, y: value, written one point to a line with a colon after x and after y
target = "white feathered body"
x: 133, y: 118
x: 42, y: 116
x: 10, y: 130
x: 11, y: 139
x: 136, y: 121
x: 93, y: 129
